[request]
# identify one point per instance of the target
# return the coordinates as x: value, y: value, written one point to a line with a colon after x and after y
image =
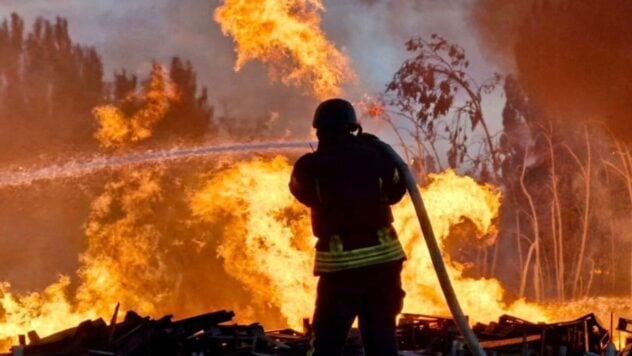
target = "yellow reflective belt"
x: 386, y: 251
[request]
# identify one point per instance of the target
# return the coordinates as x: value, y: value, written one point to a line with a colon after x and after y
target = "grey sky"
x: 129, y: 34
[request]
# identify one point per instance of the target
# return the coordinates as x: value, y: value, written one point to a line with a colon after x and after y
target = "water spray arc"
x: 75, y: 169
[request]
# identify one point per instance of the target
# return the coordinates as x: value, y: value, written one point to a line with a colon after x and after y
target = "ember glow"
x: 287, y: 36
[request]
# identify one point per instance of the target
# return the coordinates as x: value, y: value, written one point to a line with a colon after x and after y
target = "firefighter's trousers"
x: 373, y: 294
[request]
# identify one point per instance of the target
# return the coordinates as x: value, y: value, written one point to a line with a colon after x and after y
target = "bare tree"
x: 436, y: 99
x: 535, y: 246
x: 624, y: 170
x: 585, y: 170
x: 557, y: 226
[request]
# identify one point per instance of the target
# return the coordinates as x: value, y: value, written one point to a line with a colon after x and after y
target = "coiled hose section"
x: 435, y: 254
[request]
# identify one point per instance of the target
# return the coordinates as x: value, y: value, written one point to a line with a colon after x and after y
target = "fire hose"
x: 435, y: 254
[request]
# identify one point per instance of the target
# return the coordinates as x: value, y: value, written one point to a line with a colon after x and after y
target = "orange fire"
x: 116, y: 129
x: 371, y: 107
x: 287, y: 36
x: 121, y: 264
x: 266, y: 245
x: 47, y: 312
x: 270, y: 246
x: 450, y: 199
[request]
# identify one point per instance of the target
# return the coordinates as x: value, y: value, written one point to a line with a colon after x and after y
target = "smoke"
x: 574, y: 58
x: 371, y: 32
x: 374, y: 33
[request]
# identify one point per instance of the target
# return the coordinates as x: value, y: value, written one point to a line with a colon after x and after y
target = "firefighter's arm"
x: 303, y: 181
x: 393, y: 185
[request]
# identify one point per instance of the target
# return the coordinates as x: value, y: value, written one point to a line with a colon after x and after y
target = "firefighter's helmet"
x: 335, y: 114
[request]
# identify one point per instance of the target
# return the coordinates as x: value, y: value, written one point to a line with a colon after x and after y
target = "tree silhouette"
x: 48, y: 86
x: 439, y: 100
x: 190, y: 116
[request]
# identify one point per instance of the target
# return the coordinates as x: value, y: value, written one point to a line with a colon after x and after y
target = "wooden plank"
x: 490, y: 344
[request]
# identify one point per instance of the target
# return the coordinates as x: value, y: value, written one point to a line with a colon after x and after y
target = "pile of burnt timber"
x: 215, y: 334
x: 206, y: 334
x: 577, y: 337
x: 509, y: 336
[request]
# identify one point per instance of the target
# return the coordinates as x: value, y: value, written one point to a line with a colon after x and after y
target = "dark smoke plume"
x: 574, y: 58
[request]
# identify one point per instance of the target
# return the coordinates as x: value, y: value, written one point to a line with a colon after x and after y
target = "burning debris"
x: 215, y: 333
x: 206, y: 334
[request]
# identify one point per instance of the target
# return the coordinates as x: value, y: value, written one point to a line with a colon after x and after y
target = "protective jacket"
x: 349, y: 183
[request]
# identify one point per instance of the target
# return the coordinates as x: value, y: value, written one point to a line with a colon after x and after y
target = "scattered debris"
x: 427, y: 333
x: 214, y: 334
x: 509, y: 336
x: 205, y: 334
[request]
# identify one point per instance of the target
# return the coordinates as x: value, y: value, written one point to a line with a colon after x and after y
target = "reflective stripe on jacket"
x: 388, y: 250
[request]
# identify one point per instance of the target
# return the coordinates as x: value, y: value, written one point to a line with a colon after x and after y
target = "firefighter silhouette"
x: 349, y: 183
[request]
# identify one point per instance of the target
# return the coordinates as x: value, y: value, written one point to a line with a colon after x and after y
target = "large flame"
x: 122, y: 264
x: 264, y: 241
x: 123, y: 261
x: 268, y: 245
x: 287, y: 36
x: 451, y: 199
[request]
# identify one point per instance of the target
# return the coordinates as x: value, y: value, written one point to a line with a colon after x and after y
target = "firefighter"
x: 349, y: 183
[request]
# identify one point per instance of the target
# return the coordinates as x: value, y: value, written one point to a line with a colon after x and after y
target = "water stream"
x: 78, y: 168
